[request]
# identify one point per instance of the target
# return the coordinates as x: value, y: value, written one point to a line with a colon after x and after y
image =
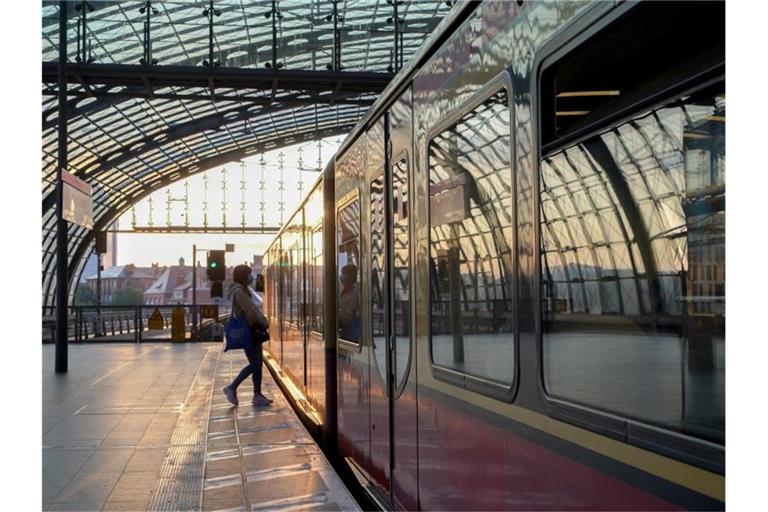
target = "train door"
x: 402, y: 351
x: 377, y: 324
x: 393, y: 410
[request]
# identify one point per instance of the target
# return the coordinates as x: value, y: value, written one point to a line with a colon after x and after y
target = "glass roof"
x: 243, y: 32
x: 126, y: 147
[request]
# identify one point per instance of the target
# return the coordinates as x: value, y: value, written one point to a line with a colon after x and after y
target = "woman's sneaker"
x: 231, y: 395
x: 261, y: 400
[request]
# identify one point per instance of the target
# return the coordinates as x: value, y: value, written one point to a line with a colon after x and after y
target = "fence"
x: 125, y: 323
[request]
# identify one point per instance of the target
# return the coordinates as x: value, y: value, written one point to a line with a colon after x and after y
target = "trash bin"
x: 178, y: 325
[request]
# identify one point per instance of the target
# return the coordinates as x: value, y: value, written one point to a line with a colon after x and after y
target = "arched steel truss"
x: 128, y: 139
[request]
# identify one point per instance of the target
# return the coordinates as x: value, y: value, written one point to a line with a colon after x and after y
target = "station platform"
x: 146, y: 427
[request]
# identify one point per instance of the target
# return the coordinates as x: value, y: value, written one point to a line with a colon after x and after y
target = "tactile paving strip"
x: 180, y: 484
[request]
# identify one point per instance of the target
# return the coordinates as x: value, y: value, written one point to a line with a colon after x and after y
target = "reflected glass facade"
x: 471, y: 237
x: 633, y: 265
x: 401, y: 261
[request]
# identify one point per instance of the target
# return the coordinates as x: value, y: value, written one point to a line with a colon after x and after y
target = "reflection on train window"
x: 401, y: 294
x: 273, y: 283
x: 633, y: 266
x: 378, y: 275
x: 292, y: 282
x: 315, y: 275
x: 471, y: 236
x: 275, y: 293
x: 348, y: 265
x: 285, y: 274
x: 296, y: 284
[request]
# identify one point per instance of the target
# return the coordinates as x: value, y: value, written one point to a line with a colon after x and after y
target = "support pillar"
x: 62, y: 358
x: 98, y: 293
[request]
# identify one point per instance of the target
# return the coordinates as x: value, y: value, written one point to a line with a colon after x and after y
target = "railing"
x: 126, y: 323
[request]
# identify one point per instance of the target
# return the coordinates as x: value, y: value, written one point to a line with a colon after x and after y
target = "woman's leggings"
x: 254, y: 368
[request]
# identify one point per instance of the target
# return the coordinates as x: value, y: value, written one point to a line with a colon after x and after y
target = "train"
x: 506, y: 291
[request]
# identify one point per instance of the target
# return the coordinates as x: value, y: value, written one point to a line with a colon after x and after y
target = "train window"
x: 269, y: 285
x: 276, y: 283
x: 471, y: 237
x: 348, y: 266
x: 632, y: 223
x: 401, y: 258
x: 317, y: 280
x: 291, y: 282
x: 285, y: 295
x: 309, y: 282
x: 297, y: 278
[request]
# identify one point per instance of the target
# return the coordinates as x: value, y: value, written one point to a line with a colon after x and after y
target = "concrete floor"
x: 146, y: 427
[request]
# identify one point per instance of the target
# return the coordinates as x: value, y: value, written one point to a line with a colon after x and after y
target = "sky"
x: 166, y: 249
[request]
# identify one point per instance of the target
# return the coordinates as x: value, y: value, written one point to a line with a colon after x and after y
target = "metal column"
x: 98, y: 293
x: 194, y: 288
x: 61, y: 226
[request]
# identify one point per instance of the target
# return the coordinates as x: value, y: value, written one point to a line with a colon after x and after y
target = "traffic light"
x: 216, y: 266
x: 216, y: 289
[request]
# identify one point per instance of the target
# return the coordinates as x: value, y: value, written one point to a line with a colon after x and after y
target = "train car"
x: 293, y: 302
x: 523, y: 267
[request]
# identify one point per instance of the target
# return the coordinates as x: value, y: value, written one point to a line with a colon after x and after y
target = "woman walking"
x: 243, y: 304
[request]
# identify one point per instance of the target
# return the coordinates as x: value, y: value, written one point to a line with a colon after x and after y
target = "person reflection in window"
x: 349, y: 304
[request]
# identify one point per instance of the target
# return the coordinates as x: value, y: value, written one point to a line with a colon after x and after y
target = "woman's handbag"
x: 238, y: 333
x: 260, y: 335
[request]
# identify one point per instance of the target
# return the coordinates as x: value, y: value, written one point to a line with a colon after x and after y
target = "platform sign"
x: 208, y: 311
x: 78, y: 207
x: 156, y: 322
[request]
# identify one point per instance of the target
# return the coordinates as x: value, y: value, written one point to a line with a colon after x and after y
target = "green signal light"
x: 213, y: 264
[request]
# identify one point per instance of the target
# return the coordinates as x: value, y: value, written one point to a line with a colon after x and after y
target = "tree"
x: 128, y: 297
x: 84, y: 296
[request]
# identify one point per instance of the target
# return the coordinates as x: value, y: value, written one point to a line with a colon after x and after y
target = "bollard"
x: 112, y: 321
x: 77, y: 324
x: 121, y: 324
x: 137, y: 334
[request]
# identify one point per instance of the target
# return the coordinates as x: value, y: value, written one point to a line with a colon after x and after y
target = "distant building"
x: 183, y: 292
x: 161, y: 291
x: 174, y: 286
x: 122, y: 277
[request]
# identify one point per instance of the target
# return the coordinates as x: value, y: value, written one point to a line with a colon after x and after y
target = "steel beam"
x: 286, y: 101
x: 229, y: 78
x: 265, y: 230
